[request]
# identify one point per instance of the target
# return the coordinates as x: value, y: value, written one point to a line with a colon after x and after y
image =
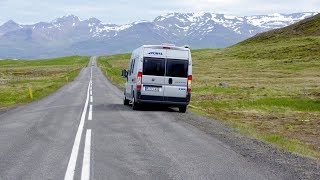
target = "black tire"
x: 125, y: 101
x: 183, y: 109
x: 135, y: 106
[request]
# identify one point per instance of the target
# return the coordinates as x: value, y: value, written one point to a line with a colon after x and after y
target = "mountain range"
x: 69, y: 35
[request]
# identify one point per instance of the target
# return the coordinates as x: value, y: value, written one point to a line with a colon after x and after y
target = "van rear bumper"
x: 175, y: 101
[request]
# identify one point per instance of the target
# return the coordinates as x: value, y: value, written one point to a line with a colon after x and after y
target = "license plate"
x: 154, y: 89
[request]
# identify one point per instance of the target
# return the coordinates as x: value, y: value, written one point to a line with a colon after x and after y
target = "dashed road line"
x: 85, y: 175
x: 90, y: 113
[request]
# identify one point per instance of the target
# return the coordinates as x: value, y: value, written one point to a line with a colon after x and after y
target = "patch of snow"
x: 237, y: 30
x: 139, y: 22
x: 230, y: 17
x: 182, y: 20
x: 305, y: 15
x: 107, y: 28
x: 161, y: 18
x: 123, y: 27
x: 276, y: 14
x: 57, y: 25
x: 168, y: 15
x: 274, y: 19
x: 199, y: 14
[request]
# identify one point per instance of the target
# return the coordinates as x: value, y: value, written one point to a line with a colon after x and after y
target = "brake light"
x: 189, y: 83
x: 139, y: 80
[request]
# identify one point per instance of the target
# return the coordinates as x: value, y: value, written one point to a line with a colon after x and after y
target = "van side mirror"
x: 124, y: 73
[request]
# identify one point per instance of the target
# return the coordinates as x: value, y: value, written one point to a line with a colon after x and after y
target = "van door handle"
x: 170, y: 80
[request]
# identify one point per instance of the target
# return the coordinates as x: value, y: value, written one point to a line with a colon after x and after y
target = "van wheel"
x: 135, y: 106
x: 182, y: 109
x: 125, y: 100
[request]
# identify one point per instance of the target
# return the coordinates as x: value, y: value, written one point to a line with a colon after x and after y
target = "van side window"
x: 177, y: 68
x: 133, y: 65
x: 154, y: 66
x: 130, y: 68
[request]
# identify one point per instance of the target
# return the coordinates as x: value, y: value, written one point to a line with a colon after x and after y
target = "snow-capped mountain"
x: 70, y: 35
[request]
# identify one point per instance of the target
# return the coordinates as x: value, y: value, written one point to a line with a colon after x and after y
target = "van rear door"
x: 176, y: 79
x: 153, y: 70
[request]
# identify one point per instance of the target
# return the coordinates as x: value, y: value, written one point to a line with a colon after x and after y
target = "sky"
x: 127, y: 11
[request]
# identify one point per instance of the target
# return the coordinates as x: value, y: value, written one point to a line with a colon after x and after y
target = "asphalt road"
x: 83, y: 131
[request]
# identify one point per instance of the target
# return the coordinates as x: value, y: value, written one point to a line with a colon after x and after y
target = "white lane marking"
x: 85, y: 175
x: 75, y: 149
x: 90, y: 113
x: 91, y: 92
x: 91, y: 73
x: 91, y: 99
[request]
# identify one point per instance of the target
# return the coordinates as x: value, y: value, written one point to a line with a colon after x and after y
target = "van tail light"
x: 189, y: 83
x: 139, y: 80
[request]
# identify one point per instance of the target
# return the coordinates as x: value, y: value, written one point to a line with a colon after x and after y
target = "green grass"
x: 43, y: 76
x: 112, y: 66
x: 290, y: 144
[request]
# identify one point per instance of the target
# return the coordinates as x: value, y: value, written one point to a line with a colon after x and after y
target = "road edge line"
x: 85, y: 175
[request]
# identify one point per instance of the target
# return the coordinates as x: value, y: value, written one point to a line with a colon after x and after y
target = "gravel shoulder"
x: 283, y: 163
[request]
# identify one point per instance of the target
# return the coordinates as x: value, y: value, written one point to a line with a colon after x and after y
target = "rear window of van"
x: 177, y: 68
x: 153, y: 66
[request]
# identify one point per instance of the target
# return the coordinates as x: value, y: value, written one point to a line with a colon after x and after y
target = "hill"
x: 308, y: 27
x: 292, y: 44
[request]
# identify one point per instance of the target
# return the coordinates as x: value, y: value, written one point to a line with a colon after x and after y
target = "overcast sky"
x: 126, y: 11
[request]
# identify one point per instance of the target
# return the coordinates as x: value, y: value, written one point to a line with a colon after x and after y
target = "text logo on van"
x: 155, y: 53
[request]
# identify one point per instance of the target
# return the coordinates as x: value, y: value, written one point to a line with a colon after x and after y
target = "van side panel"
x: 178, y: 88
x: 177, y: 54
x: 157, y: 53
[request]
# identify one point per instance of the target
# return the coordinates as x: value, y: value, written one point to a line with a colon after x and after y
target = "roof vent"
x: 187, y: 46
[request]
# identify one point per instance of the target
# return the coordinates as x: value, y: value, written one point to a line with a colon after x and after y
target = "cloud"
x: 249, y: 7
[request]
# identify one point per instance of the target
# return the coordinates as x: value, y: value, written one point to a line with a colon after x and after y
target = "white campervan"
x: 160, y: 74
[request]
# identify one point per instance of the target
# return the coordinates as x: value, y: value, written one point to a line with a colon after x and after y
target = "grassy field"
x: 43, y: 76
x: 273, y: 92
x: 266, y: 87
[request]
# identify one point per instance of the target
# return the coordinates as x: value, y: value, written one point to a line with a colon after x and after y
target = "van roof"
x: 166, y: 46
